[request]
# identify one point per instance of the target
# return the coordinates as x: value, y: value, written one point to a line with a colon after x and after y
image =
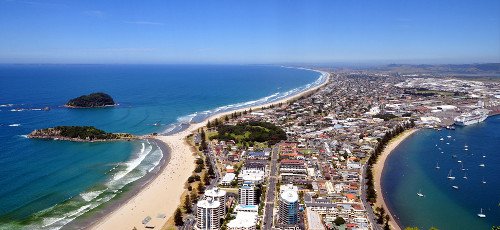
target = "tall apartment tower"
x: 247, y: 194
x: 288, y: 207
x: 218, y: 195
x: 207, y: 214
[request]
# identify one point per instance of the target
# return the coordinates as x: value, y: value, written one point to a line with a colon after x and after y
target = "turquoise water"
x: 412, y: 168
x: 47, y: 184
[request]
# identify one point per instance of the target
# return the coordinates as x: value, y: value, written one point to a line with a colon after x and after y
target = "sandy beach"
x: 162, y: 195
x: 379, y: 167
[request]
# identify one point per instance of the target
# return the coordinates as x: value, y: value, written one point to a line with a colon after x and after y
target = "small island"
x: 78, y: 133
x: 93, y: 100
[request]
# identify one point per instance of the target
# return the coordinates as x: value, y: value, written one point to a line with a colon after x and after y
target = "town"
x: 306, y: 164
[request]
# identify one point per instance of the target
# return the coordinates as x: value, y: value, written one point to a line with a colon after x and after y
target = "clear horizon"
x: 257, y: 32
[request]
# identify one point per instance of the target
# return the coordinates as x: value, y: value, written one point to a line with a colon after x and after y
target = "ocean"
x: 412, y: 168
x: 47, y: 184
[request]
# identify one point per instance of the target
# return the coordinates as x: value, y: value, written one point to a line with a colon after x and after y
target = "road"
x: 271, y: 190
x: 369, y: 211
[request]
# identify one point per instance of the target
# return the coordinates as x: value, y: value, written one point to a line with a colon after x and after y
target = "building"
x: 254, y: 176
x: 227, y: 179
x: 218, y: 195
x: 243, y: 221
x: 288, y: 205
x: 207, y: 214
x: 247, y: 194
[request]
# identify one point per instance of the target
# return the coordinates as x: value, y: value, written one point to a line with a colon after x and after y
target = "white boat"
x: 481, y: 165
x: 481, y: 215
x: 466, y: 149
x: 450, y: 176
x: 448, y: 136
x: 454, y: 186
x: 483, y: 181
x: 437, y: 166
x: 465, y: 176
x: 459, y: 161
x: 466, y: 146
x: 420, y: 194
x: 442, y: 139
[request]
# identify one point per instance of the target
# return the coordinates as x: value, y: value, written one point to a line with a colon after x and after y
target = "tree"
x: 411, y: 228
x: 178, y: 217
x: 200, y: 188
x: 339, y: 221
x: 386, y: 225
x: 187, y: 204
x: 206, y: 179
x: 194, y: 196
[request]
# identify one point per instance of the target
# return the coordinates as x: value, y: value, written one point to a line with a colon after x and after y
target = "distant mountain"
x: 485, y: 69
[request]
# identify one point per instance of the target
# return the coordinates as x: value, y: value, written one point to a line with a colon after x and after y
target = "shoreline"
x: 150, y: 200
x: 378, y: 169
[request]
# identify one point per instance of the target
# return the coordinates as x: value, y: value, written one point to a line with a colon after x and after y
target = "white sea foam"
x: 132, y: 164
x: 88, y: 196
x: 14, y: 125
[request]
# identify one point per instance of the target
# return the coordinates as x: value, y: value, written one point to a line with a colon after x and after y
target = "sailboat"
x: 483, y: 181
x: 454, y: 186
x: 481, y: 165
x: 450, y: 177
x: 419, y: 193
x: 437, y: 166
x: 442, y: 139
x: 465, y: 176
x: 481, y: 215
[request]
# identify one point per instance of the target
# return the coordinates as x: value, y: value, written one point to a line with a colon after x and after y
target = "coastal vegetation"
x: 93, y: 100
x: 371, y: 195
x: 250, y: 132
x: 78, y: 133
x: 385, y: 116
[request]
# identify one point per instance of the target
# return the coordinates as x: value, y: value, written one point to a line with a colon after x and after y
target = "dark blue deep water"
x: 412, y: 168
x: 46, y: 184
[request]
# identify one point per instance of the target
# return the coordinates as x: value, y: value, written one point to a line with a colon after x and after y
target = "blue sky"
x: 117, y: 31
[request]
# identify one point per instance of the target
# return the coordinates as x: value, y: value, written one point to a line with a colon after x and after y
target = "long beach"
x: 378, y: 169
x: 162, y: 195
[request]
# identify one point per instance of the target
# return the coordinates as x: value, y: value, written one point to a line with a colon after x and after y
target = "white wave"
x: 132, y: 164
x: 89, y: 196
x: 7, y: 105
x: 14, y: 125
x: 23, y: 136
x: 186, y: 119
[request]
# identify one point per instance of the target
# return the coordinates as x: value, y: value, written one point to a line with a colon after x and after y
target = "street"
x: 271, y: 191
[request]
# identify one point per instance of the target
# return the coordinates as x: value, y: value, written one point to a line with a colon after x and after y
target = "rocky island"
x: 78, y: 133
x: 93, y: 100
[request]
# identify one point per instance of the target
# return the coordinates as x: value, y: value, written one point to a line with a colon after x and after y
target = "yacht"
x: 483, y: 181
x: 450, y: 176
x: 437, y: 166
x: 454, y: 186
x: 419, y: 193
x: 442, y: 139
x: 465, y: 176
x: 481, y: 215
x: 481, y: 165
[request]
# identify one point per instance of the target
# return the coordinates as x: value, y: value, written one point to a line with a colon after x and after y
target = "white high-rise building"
x: 218, y: 195
x: 247, y: 194
x: 288, y: 205
x: 207, y: 214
